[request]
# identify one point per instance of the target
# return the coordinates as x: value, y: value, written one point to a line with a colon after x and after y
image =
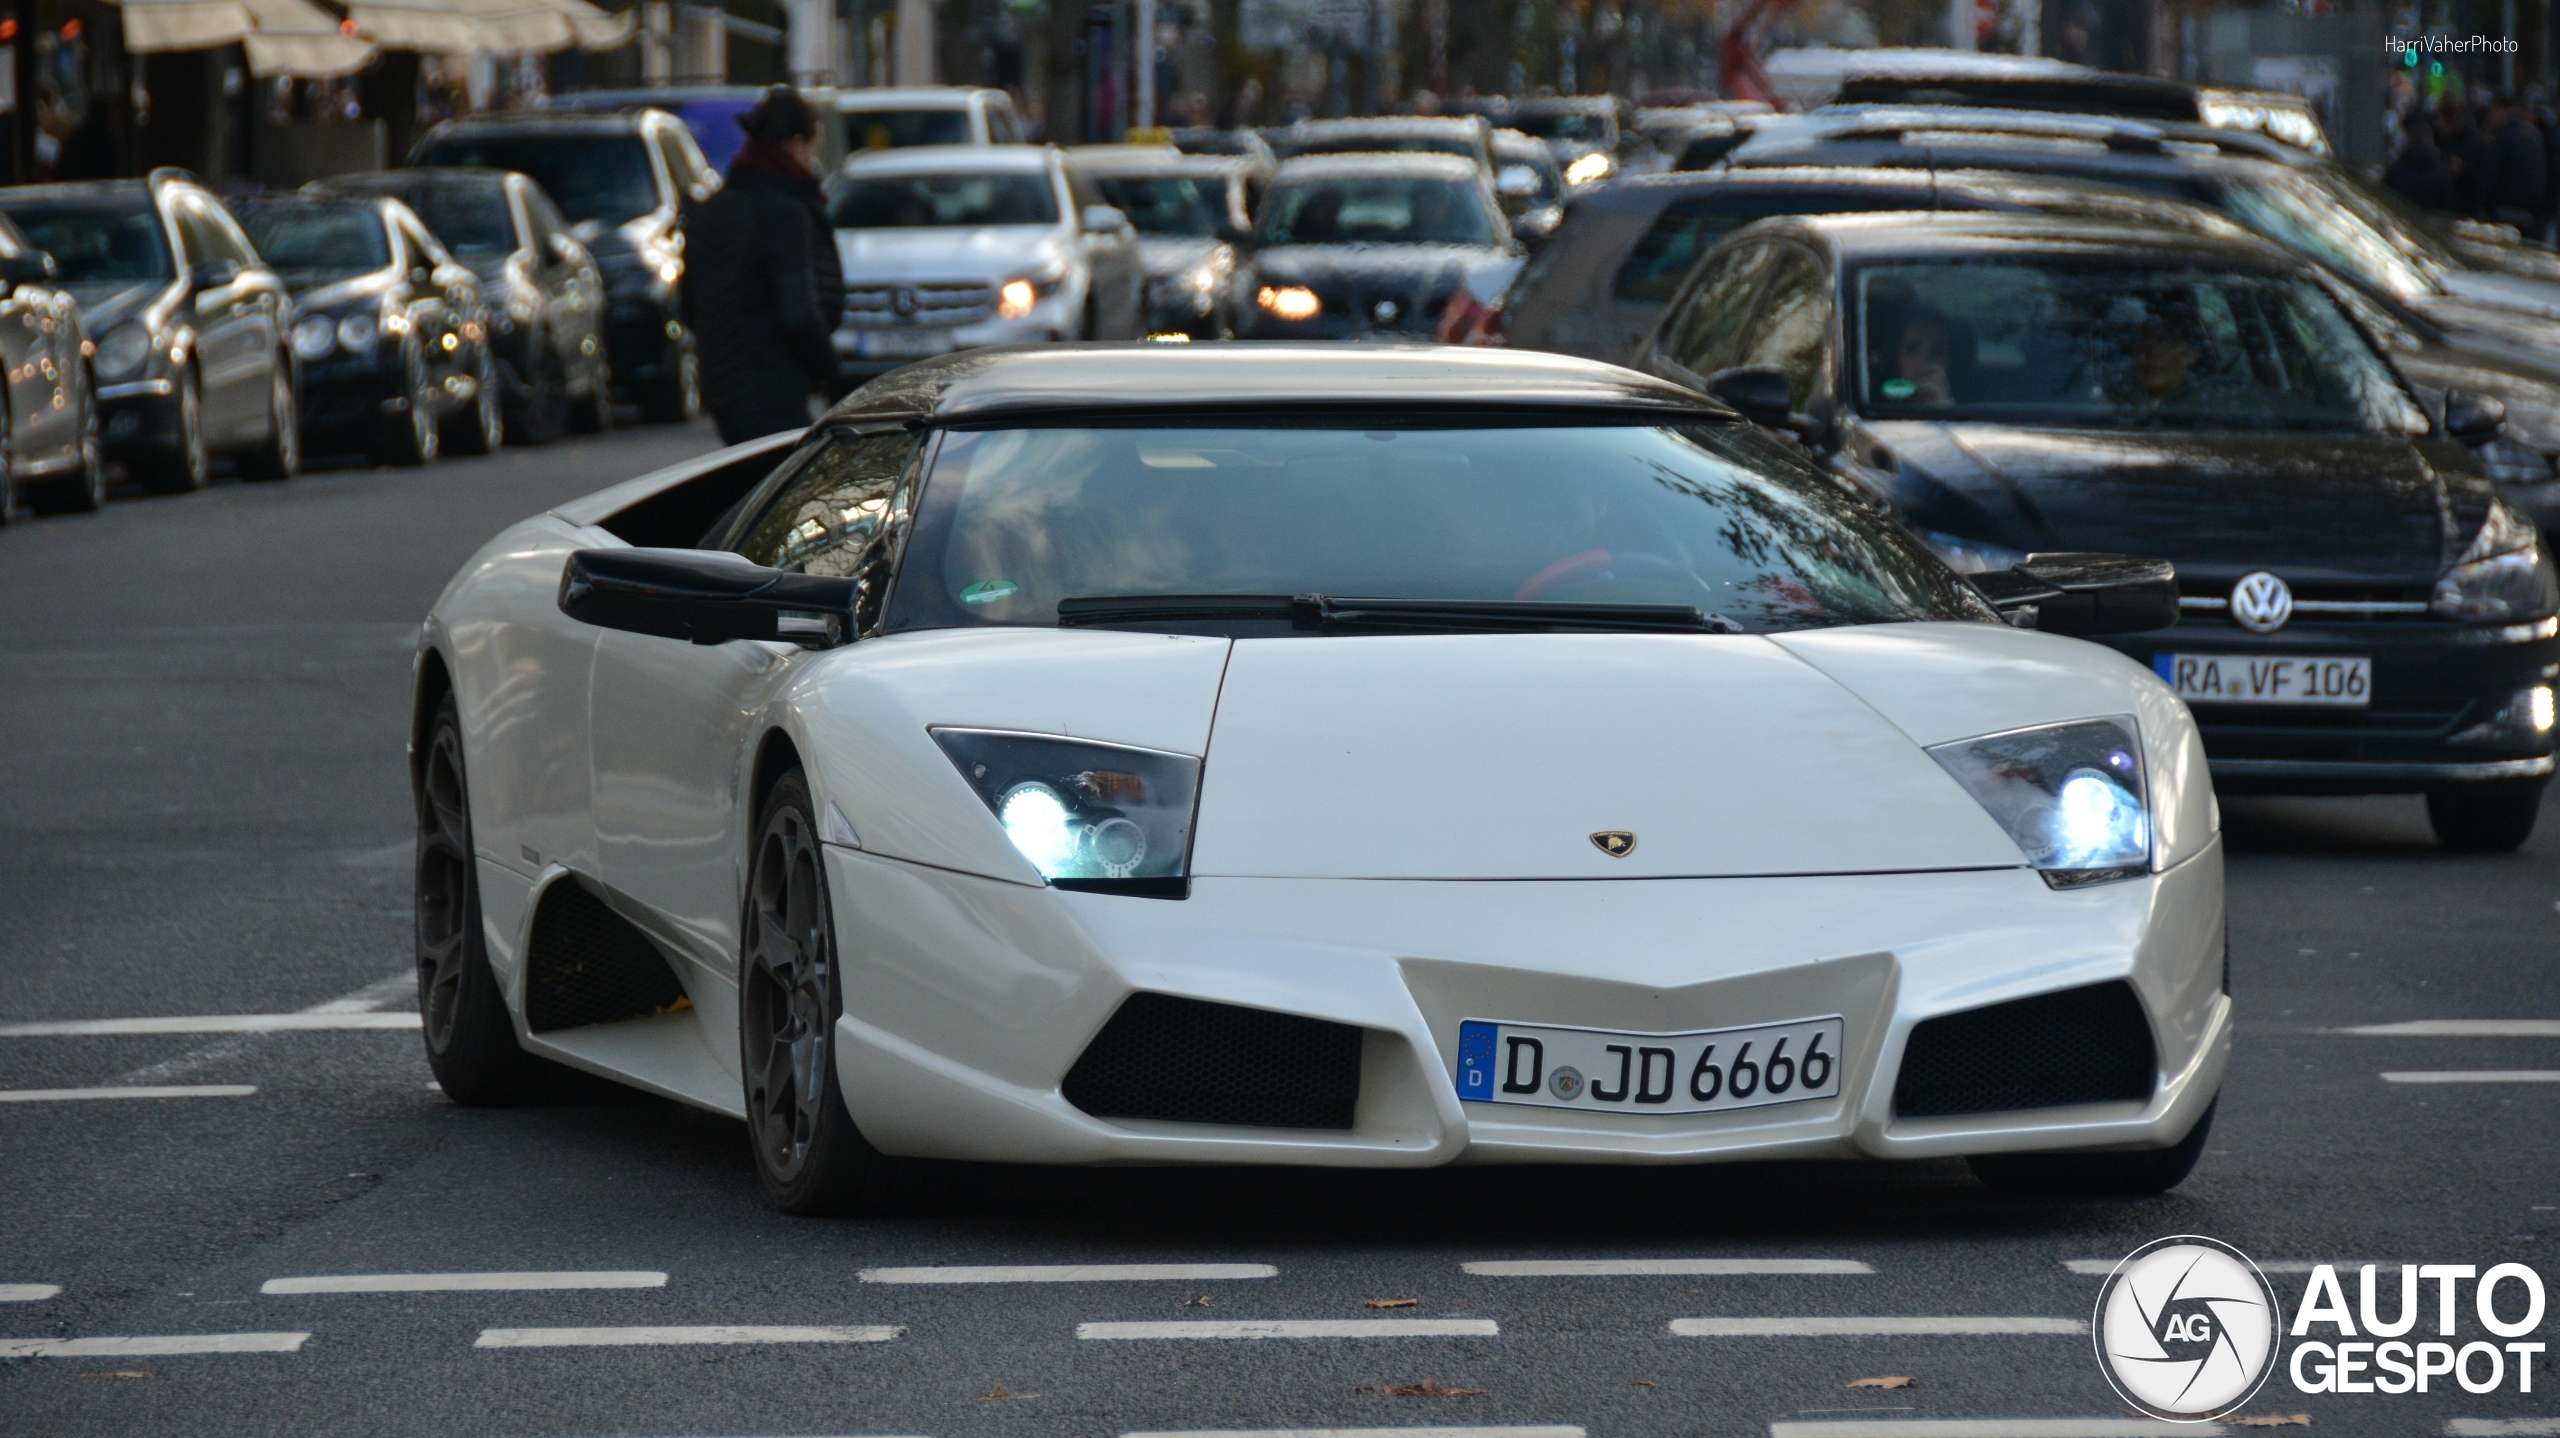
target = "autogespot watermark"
x: 2188, y: 1329
x: 2448, y: 45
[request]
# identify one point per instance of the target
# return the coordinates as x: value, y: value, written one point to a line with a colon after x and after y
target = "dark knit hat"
x: 780, y: 114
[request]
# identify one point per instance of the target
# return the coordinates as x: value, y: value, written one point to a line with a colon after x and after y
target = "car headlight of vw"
x: 2071, y: 795
x: 2503, y: 575
x: 1082, y: 812
x: 124, y: 350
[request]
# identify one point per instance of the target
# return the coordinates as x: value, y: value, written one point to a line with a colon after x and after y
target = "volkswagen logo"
x: 1385, y: 311
x: 2261, y: 603
x: 2187, y: 1328
x: 903, y: 300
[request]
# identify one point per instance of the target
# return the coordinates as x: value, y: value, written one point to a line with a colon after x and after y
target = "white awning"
x: 282, y: 37
x: 496, y: 27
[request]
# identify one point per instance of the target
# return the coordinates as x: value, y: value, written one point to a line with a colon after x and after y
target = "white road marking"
x: 2475, y: 1076
x: 1071, y: 1273
x: 1992, y: 1429
x: 1550, y: 1430
x: 2101, y: 1267
x: 1660, y: 1267
x: 184, y: 1090
x: 28, y: 1292
x: 210, y: 1024
x: 375, y: 995
x: 1298, y: 1328
x: 2502, y: 1427
x: 2460, y: 1029
x: 701, y: 1333
x: 152, y: 1346
x: 1880, y: 1326
x: 463, y: 1282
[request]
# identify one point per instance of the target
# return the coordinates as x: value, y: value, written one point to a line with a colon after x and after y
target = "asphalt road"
x: 203, y: 811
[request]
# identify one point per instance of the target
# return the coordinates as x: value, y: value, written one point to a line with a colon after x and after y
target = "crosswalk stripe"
x: 28, y: 1292
x: 1547, y: 1430
x: 182, y: 1090
x: 2502, y: 1427
x: 209, y: 1024
x: 1878, y: 1326
x: 1072, y: 1273
x: 2475, y: 1076
x: 152, y: 1345
x: 1663, y: 1267
x: 1991, y: 1428
x: 2460, y: 1029
x: 1298, y: 1328
x: 696, y: 1333
x: 462, y: 1282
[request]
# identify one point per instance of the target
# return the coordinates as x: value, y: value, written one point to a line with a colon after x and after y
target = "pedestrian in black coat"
x: 2511, y: 192
x: 2466, y: 153
x: 2419, y: 174
x: 766, y: 288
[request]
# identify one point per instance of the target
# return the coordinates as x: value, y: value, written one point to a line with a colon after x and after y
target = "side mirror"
x: 1760, y: 394
x: 703, y: 596
x: 2083, y: 595
x: 2474, y: 419
x: 1532, y: 228
x: 1516, y: 182
x: 1104, y: 219
x: 32, y: 268
x: 213, y: 274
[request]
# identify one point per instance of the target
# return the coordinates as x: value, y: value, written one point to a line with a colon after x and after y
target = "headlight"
x: 2503, y: 575
x: 2071, y: 796
x: 1290, y: 302
x: 1594, y: 166
x: 123, y: 350
x: 359, y: 333
x: 1086, y: 815
x: 1016, y: 299
x: 314, y: 336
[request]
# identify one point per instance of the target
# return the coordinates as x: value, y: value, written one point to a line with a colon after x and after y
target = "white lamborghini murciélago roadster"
x: 1312, y: 755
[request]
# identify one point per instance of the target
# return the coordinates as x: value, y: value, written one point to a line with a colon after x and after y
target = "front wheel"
x: 471, y: 1040
x: 2096, y: 1175
x: 2492, y: 818
x: 84, y: 490
x: 280, y: 456
x: 675, y: 397
x: 482, y: 428
x: 186, y: 463
x: 807, y: 1151
x: 411, y: 437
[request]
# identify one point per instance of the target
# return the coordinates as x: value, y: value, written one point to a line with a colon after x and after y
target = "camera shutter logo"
x: 2187, y: 1328
x: 2261, y: 603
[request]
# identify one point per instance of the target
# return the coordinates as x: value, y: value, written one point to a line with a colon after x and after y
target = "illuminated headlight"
x: 2504, y: 575
x: 123, y: 350
x: 314, y: 336
x: 1016, y: 299
x: 1290, y: 302
x: 1085, y: 815
x: 670, y: 270
x: 1594, y: 166
x: 2524, y: 718
x: 359, y: 332
x: 2071, y: 796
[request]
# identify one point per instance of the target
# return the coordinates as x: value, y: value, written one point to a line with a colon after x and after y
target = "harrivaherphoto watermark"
x: 2448, y: 45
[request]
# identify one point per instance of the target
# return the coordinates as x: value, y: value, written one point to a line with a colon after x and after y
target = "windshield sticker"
x: 989, y: 591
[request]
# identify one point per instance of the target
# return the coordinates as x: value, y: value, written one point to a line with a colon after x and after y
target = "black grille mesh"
x: 1189, y: 1061
x: 2087, y: 1045
x: 587, y: 965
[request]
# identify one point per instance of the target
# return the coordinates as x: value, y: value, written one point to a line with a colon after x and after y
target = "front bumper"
x: 347, y: 392
x: 975, y: 997
x: 2435, y: 686
x: 138, y: 417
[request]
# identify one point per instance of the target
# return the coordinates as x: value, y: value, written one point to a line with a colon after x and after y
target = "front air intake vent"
x: 1189, y: 1061
x: 588, y: 965
x: 2089, y: 1045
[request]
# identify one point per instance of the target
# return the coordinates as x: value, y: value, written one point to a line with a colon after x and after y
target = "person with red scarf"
x: 766, y: 288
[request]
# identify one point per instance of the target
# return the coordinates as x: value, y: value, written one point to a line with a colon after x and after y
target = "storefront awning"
x: 495, y: 27
x: 282, y: 37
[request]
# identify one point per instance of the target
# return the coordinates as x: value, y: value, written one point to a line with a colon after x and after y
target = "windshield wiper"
x: 1328, y: 612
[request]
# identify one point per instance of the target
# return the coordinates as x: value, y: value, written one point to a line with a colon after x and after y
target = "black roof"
x: 1245, y: 378
x: 2142, y: 97
x: 1947, y: 233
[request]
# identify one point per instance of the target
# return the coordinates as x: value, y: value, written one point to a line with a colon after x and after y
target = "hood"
x: 2343, y: 507
x: 1498, y: 756
x: 995, y: 251
x: 2539, y: 298
x: 1169, y: 255
x: 1319, y: 264
x: 105, y: 304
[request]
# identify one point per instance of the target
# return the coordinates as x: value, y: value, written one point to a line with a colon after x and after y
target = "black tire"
x: 541, y: 413
x: 2096, y: 1175
x: 279, y: 456
x: 185, y: 465
x: 2490, y: 818
x: 412, y: 437
x: 675, y: 396
x: 807, y: 1151
x: 482, y: 428
x: 594, y: 414
x: 83, y: 490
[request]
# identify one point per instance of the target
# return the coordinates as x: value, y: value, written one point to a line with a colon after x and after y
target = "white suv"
x: 955, y: 247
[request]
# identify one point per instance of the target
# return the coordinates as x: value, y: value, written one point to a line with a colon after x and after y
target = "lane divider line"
x: 1664, y: 1267
x: 2459, y: 1029
x: 1991, y: 1428
x: 2475, y: 1076
x: 212, y: 1024
x: 152, y: 1345
x: 688, y: 1334
x: 463, y: 1282
x: 1878, y: 1326
x: 28, y: 1292
x: 181, y: 1090
x: 402, y: 985
x: 1297, y: 1328
x: 1534, y: 1430
x: 1072, y: 1273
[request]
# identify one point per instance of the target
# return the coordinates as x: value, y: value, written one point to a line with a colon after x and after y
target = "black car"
x: 2362, y: 612
x: 1353, y: 246
x: 625, y: 182
x: 189, y: 325
x: 391, y: 331
x: 544, y: 292
x: 49, y: 413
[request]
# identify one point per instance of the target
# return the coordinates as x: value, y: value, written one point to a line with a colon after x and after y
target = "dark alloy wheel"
x: 807, y: 1150
x: 471, y: 1041
x: 481, y: 428
x: 279, y: 455
x: 2490, y: 818
x: 185, y: 464
x: 83, y: 490
x: 2096, y: 1175
x: 412, y: 437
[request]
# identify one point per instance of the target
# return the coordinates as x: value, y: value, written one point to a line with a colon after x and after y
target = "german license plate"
x: 1599, y: 1070
x: 901, y: 344
x: 2267, y: 679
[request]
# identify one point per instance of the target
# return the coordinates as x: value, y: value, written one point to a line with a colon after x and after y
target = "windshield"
x: 98, y: 244
x: 471, y: 222
x: 312, y: 243
x: 897, y: 129
x: 1165, y: 204
x: 590, y: 177
x: 2107, y: 345
x: 1582, y: 128
x: 907, y: 202
x: 1724, y: 518
x: 1379, y: 211
x: 2302, y: 218
x: 1689, y: 228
